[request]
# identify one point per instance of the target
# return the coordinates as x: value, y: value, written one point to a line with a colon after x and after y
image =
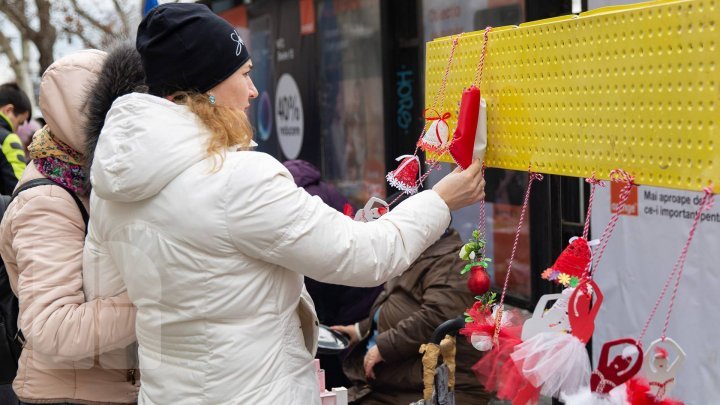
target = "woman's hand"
x: 462, y: 187
x: 348, y: 330
x: 372, y: 357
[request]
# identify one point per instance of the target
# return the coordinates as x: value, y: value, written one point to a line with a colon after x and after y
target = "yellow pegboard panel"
x: 632, y: 87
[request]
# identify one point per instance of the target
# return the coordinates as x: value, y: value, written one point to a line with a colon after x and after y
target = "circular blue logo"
x: 264, y: 116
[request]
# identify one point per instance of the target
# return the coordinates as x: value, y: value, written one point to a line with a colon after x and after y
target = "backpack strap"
x: 47, y: 182
x: 4, y: 202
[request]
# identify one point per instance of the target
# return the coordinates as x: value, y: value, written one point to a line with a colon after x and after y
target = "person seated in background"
x: 15, y: 110
x: 384, y: 365
x: 334, y: 304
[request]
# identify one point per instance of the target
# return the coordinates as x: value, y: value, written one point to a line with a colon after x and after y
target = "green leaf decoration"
x: 488, y: 298
x: 574, y: 281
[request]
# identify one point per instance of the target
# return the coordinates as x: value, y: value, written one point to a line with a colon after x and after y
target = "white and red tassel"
x: 406, y: 177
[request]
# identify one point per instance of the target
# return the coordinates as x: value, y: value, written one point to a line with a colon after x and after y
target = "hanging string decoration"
x: 551, y: 355
x: 406, y: 177
x: 658, y: 373
x: 573, y: 263
x: 499, y: 332
x: 474, y: 253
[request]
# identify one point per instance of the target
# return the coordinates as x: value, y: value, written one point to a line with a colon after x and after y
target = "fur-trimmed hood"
x: 63, y: 92
x: 122, y: 73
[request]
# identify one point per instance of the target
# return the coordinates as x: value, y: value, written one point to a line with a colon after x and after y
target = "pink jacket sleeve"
x: 48, y: 237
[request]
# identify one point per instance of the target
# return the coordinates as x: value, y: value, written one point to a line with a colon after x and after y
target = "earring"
x: 212, y: 99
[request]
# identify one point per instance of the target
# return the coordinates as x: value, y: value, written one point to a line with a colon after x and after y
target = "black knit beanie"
x: 187, y: 47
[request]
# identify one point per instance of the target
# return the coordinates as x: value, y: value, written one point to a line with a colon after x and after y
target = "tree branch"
x: 80, y: 33
x: 7, y: 49
x: 45, y: 42
x: 105, y: 28
x: 16, y: 14
x: 123, y: 18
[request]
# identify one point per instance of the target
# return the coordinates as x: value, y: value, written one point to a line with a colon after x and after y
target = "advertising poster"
x: 261, y: 111
x: 294, y: 73
x: 350, y: 90
x: 639, y: 257
x: 449, y: 17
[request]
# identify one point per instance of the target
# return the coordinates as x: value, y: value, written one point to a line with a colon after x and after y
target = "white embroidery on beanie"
x: 236, y: 37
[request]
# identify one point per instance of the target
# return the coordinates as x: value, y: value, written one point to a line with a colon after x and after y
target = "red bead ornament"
x: 479, y: 281
x: 463, y: 142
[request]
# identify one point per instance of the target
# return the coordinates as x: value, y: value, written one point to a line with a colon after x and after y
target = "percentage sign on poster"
x: 294, y: 110
x: 289, y: 116
x: 289, y: 108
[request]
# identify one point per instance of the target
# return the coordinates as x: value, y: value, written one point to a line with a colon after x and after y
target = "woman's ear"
x: 175, y: 96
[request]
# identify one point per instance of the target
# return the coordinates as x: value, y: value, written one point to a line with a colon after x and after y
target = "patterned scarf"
x: 57, y: 161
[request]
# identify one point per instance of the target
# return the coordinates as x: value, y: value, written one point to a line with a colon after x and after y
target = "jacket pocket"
x: 308, y: 323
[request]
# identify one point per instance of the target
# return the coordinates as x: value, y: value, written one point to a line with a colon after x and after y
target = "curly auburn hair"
x: 229, y: 127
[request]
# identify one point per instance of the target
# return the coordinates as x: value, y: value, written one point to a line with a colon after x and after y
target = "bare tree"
x: 19, y: 62
x: 99, y: 27
x: 9, y: 52
x: 41, y: 22
x: 44, y: 36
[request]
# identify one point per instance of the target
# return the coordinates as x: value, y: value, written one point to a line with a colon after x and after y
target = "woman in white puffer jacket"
x: 212, y: 241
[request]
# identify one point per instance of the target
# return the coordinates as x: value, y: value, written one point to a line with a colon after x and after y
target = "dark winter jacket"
x: 12, y: 158
x: 307, y: 176
x: 431, y: 292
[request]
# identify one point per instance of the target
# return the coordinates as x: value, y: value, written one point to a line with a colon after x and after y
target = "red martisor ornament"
x: 610, y: 374
x: 479, y: 281
x: 639, y: 393
x: 463, y: 142
x: 435, y: 139
x: 348, y: 210
x: 407, y: 174
x: 575, y: 259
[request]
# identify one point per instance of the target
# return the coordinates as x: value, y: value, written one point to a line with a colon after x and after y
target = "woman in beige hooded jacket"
x: 75, y: 351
